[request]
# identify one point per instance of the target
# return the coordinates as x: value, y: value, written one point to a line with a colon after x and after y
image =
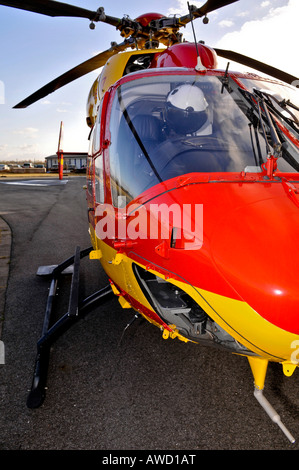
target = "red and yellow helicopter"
x: 192, y: 191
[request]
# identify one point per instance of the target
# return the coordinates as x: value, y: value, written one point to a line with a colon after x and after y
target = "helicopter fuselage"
x: 197, y: 231
x: 192, y: 191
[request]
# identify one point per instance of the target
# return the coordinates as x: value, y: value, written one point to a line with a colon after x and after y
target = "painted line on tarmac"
x: 35, y: 182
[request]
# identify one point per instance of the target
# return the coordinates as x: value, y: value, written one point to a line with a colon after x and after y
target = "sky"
x: 35, y: 49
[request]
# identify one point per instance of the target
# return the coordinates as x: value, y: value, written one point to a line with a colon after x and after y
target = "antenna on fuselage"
x: 199, y: 66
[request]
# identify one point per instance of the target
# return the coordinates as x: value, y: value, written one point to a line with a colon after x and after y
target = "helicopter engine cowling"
x: 185, y: 55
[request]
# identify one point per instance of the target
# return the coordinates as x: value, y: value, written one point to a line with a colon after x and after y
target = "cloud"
x: 181, y: 9
x: 62, y: 107
x: 226, y: 23
x: 243, y: 13
x: 26, y: 148
x: 20, y: 152
x: 271, y: 39
x: 3, y: 147
x: 30, y: 132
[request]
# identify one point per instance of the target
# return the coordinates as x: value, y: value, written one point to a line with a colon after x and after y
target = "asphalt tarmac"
x: 112, y: 388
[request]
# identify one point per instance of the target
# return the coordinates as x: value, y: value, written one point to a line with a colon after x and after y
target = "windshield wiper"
x: 276, y: 144
x: 282, y: 104
x: 257, y: 156
x: 259, y: 109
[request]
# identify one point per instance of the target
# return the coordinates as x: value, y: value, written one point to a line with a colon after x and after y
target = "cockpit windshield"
x: 164, y: 126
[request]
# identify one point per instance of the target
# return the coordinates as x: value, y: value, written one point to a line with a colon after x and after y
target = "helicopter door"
x: 89, y: 190
x: 99, y: 180
x: 99, y: 192
x: 97, y: 152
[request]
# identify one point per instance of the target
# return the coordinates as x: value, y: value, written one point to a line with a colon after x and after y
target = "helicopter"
x: 192, y: 189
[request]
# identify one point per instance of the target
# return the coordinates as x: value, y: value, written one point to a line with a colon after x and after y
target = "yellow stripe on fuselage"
x: 236, y: 317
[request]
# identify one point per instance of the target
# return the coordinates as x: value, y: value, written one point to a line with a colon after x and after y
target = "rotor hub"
x: 147, y: 18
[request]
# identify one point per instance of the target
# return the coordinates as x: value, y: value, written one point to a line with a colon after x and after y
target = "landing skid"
x: 76, y: 310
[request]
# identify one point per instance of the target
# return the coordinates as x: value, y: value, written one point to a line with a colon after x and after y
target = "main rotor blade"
x: 212, y: 5
x: 209, y: 6
x: 76, y: 72
x: 50, y: 8
x: 53, y: 8
x: 257, y: 65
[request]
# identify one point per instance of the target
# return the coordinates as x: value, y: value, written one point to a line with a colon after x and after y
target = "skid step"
x: 76, y: 309
x: 48, y: 270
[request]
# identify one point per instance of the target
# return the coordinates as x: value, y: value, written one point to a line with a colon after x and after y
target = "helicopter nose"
x: 256, y: 251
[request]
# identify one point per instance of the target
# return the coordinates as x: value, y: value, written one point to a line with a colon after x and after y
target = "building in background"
x: 72, y: 161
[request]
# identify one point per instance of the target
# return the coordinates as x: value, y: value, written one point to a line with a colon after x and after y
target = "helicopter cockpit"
x: 163, y: 126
